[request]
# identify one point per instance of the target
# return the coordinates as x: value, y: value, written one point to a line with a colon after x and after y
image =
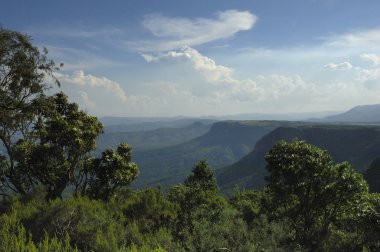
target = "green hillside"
x: 224, y: 144
x: 359, y: 145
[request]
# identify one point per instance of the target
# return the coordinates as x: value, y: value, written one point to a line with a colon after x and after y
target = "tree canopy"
x: 306, y: 188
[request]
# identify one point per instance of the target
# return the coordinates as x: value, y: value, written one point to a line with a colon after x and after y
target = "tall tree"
x: 309, y: 191
x: 23, y: 70
x: 66, y: 135
x: 197, y: 199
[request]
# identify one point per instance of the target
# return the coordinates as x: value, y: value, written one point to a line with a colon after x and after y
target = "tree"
x: 198, y: 188
x: 103, y: 176
x: 197, y: 198
x: 66, y: 135
x: 309, y: 191
x: 202, y: 178
x: 23, y: 70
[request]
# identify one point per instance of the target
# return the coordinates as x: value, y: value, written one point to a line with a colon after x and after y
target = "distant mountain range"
x: 149, y: 123
x: 358, y: 114
x: 166, y: 149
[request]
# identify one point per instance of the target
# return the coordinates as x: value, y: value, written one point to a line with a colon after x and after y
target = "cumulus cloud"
x: 371, y: 57
x: 207, y: 66
x: 103, y: 96
x: 261, y: 88
x: 172, y: 33
x: 81, y: 79
x: 339, y: 66
x: 271, y: 87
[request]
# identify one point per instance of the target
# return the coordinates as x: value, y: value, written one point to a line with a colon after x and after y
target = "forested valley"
x: 58, y: 194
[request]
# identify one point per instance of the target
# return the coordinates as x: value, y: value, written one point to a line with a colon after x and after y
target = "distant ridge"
x: 358, y: 114
x: 181, y: 120
x: 357, y: 144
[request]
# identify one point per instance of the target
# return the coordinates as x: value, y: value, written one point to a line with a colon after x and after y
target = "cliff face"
x: 359, y: 145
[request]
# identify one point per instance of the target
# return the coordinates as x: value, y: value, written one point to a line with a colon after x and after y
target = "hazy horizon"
x: 208, y: 58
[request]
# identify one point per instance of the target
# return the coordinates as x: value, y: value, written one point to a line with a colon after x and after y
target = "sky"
x: 152, y: 58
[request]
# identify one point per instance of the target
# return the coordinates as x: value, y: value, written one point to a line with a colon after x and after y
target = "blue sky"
x: 217, y: 57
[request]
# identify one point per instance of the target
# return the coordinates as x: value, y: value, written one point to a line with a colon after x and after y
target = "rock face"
x: 359, y: 145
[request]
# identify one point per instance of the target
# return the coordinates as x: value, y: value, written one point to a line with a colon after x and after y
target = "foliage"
x: 197, y: 198
x: 65, y: 136
x: 104, y: 175
x: 23, y: 69
x: 150, y: 210
x: 248, y: 203
x: 309, y: 191
x: 13, y: 237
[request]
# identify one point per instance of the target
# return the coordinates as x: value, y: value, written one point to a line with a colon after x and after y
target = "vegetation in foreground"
x: 57, y: 197
x: 309, y: 205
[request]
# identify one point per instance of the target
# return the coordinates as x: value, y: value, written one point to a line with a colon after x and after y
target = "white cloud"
x: 269, y: 92
x: 369, y: 74
x: 261, y: 88
x: 371, y: 57
x: 270, y: 88
x: 81, y: 79
x: 103, y: 96
x: 87, y: 100
x: 339, y: 66
x: 366, y: 38
x: 172, y: 33
x: 210, y: 70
